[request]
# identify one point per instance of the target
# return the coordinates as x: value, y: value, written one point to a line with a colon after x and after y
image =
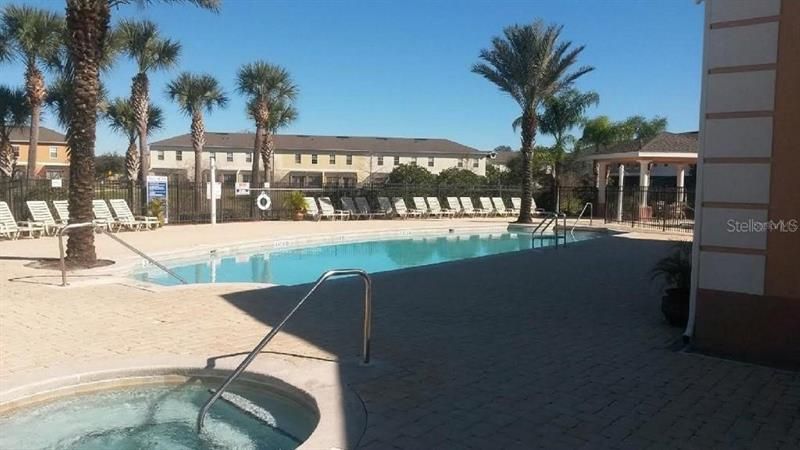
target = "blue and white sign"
x: 158, y: 188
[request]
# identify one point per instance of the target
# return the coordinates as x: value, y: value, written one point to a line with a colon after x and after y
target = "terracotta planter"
x: 298, y: 215
x: 675, y: 306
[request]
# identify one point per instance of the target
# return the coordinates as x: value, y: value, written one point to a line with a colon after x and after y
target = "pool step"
x: 253, y: 410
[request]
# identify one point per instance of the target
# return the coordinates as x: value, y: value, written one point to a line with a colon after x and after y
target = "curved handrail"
x: 253, y: 353
x: 73, y: 226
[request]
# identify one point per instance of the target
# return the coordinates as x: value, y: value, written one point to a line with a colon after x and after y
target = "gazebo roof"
x: 665, y: 146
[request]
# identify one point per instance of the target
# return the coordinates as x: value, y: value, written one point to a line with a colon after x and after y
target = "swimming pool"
x: 304, y: 265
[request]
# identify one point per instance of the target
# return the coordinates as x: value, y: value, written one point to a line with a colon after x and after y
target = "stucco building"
x: 305, y: 160
x: 745, y: 284
x: 52, y: 158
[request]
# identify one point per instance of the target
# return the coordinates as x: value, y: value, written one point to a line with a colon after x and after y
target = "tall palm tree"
x: 122, y: 119
x: 14, y: 113
x: 531, y: 64
x: 281, y: 114
x: 599, y: 132
x: 265, y: 84
x: 88, y: 31
x: 142, y: 42
x: 34, y: 36
x: 196, y: 94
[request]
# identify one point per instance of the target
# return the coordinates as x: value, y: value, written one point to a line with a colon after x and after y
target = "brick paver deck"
x: 541, y: 349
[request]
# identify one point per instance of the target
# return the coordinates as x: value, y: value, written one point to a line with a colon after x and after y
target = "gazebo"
x: 677, y: 150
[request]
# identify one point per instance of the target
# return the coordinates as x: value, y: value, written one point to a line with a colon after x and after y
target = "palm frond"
x: 31, y: 34
x: 196, y: 93
x: 141, y: 41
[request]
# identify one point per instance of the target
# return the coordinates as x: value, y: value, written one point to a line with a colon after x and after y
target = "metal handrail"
x: 73, y: 226
x: 591, y: 215
x: 252, y: 355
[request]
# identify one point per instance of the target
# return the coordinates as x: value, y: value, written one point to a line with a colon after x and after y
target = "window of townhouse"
x: 430, y: 161
x: 380, y: 160
x: 460, y: 163
x: 229, y: 157
x: 332, y: 159
x: 248, y: 157
x: 53, y: 152
x: 313, y: 159
x: 15, y: 151
x: 160, y: 155
x: 414, y: 161
x: 396, y: 160
x: 476, y: 163
x: 349, y: 160
x: 298, y: 158
x: 178, y: 155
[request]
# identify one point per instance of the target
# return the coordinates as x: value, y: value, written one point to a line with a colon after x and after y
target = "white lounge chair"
x: 436, y: 208
x: 40, y: 213
x: 349, y: 206
x: 363, y: 207
x: 11, y: 228
x: 312, y: 210
x: 466, y: 204
x: 517, y: 202
x: 125, y: 215
x: 326, y: 205
x: 500, y: 207
x: 402, y: 211
x: 104, y: 218
x: 385, y: 207
x: 420, y: 205
x: 62, y: 210
x: 454, y: 205
x: 486, y: 205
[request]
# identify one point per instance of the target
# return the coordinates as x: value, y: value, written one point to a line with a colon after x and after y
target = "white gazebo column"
x: 644, y: 182
x: 600, y: 182
x: 680, y: 182
x: 621, y: 174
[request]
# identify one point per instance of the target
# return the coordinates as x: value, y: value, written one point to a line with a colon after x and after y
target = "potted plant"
x: 296, y: 204
x: 156, y: 209
x: 676, y: 271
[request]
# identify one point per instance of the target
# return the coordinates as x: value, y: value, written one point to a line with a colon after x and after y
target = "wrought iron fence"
x: 232, y: 207
x: 664, y: 209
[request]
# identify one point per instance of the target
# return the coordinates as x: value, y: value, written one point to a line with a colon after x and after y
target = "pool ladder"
x: 551, y: 219
x: 253, y: 353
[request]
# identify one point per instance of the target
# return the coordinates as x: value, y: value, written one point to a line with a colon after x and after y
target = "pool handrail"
x: 100, y: 229
x: 253, y: 353
x: 591, y: 215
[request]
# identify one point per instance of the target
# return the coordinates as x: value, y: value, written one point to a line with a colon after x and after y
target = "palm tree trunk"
x: 198, y: 141
x: 140, y: 102
x: 254, y: 171
x: 87, y: 24
x: 6, y: 165
x: 35, y: 91
x: 266, y: 154
x: 132, y: 160
x: 528, y: 134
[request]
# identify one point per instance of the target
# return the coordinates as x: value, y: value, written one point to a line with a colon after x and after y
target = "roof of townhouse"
x: 22, y: 134
x: 664, y: 142
x: 302, y: 142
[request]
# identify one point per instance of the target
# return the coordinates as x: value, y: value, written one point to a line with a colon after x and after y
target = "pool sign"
x: 158, y: 188
x: 242, y: 189
x: 217, y: 190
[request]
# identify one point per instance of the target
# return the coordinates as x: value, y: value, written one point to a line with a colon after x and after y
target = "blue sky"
x: 402, y: 68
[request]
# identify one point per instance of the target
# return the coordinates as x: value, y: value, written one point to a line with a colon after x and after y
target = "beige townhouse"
x: 311, y: 161
x: 52, y: 158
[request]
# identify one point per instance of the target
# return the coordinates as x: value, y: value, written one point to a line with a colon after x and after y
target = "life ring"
x: 263, y: 202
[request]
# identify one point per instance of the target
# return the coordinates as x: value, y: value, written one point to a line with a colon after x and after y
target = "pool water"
x: 156, y: 417
x: 304, y: 265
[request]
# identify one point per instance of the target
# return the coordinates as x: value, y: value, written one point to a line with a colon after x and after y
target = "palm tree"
x: 599, y: 132
x: 88, y: 32
x: 561, y: 113
x: 122, y: 119
x: 281, y: 114
x: 14, y: 113
x: 196, y: 94
x: 34, y: 36
x: 265, y: 84
x: 141, y: 41
x: 531, y: 64
x: 640, y: 129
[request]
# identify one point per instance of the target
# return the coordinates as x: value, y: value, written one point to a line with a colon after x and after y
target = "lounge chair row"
x: 359, y: 208
x: 43, y: 222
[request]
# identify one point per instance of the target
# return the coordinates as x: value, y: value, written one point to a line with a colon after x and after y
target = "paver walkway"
x: 542, y: 349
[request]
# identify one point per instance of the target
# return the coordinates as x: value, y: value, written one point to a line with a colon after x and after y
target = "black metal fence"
x: 664, y: 209
x: 232, y: 207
